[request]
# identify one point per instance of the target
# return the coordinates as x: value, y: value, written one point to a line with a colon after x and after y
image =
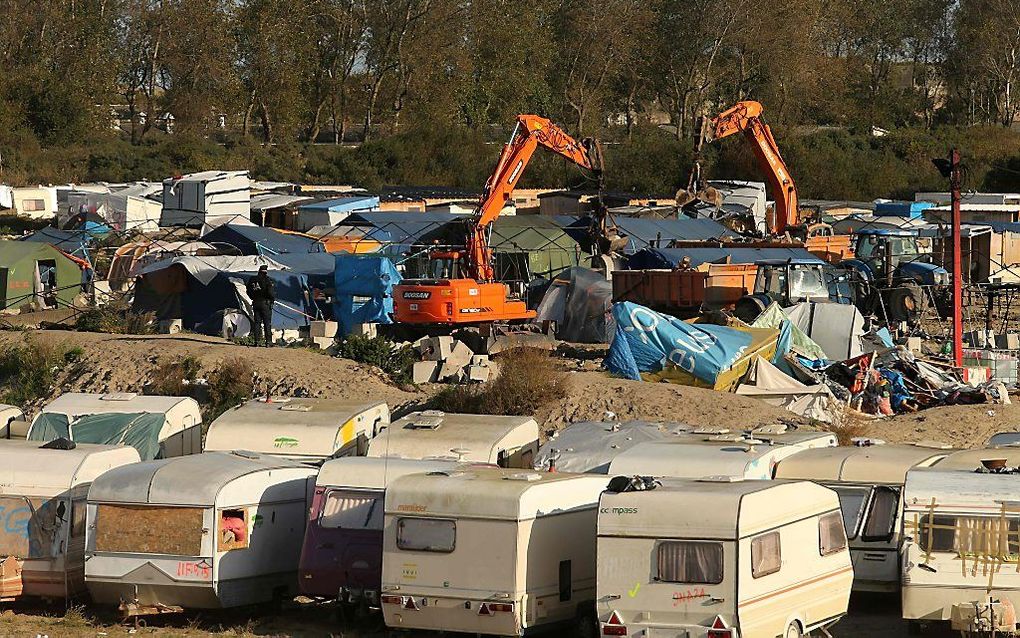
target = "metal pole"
x: 955, y: 185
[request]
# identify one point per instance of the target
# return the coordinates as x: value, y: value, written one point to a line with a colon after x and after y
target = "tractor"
x: 791, y: 281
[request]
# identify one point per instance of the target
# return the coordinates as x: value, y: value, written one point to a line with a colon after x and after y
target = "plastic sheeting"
x: 661, y: 347
x: 768, y: 383
x: 140, y: 430
x: 256, y: 240
x: 205, y: 269
x: 364, y: 290
x: 837, y: 328
x: 799, y: 343
x: 590, y: 446
x: 580, y: 302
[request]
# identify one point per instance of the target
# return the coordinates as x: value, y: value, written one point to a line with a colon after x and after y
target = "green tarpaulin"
x: 773, y: 317
x: 140, y: 430
x: 36, y: 273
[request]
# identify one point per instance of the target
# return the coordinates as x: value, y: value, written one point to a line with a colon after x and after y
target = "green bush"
x: 395, y: 361
x: 29, y: 370
x: 230, y: 384
x: 527, y: 380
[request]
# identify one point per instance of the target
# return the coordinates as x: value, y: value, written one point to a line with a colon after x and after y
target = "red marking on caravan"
x: 201, y: 570
x: 689, y: 595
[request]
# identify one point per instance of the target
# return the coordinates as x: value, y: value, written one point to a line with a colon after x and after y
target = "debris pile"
x: 447, y: 360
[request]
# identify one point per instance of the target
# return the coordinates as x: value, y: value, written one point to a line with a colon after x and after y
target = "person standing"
x: 262, y: 291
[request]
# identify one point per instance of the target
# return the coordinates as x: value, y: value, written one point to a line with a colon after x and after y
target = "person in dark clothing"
x: 262, y: 291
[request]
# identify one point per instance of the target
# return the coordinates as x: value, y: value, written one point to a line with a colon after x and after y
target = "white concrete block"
x: 322, y: 343
x: 480, y: 360
x: 324, y: 329
x: 478, y: 374
x: 425, y: 372
x: 451, y: 373
x: 438, y: 348
x: 460, y: 355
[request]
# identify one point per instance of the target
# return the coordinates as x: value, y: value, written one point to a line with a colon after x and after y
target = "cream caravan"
x: 306, y: 430
x: 42, y: 514
x: 750, y: 456
x: 507, y: 441
x: 720, y: 558
x: 960, y: 559
x: 869, y: 481
x: 489, y: 551
x: 204, y: 531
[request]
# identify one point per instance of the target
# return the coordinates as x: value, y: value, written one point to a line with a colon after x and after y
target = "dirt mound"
x: 958, y: 425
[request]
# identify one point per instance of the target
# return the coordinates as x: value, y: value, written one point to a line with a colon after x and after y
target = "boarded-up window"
x: 426, y: 534
x: 690, y: 562
x: 937, y: 534
x: 352, y: 510
x: 27, y: 526
x: 145, y: 529
x: 766, y: 557
x: 831, y: 537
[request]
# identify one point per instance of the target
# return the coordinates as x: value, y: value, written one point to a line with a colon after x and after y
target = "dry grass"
x: 116, y: 317
x: 28, y: 370
x: 172, y: 377
x: 847, y: 427
x: 230, y: 384
x: 528, y: 379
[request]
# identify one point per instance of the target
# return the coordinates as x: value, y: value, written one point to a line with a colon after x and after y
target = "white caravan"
x: 42, y: 514
x: 8, y: 415
x: 750, y: 456
x: 306, y: 430
x: 180, y: 432
x: 869, y: 481
x: 961, y: 560
x: 506, y: 441
x: 720, y: 558
x: 204, y: 531
x: 489, y: 551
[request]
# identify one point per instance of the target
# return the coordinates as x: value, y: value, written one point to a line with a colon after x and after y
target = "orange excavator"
x: 463, y: 289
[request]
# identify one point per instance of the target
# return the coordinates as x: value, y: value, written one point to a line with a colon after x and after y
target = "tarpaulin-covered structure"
x: 770, y: 384
x: 531, y: 247
x: 658, y: 258
x: 656, y: 347
x: 364, y: 290
x: 580, y: 302
x: 256, y: 240
x: 588, y: 447
x: 647, y: 232
x: 837, y: 328
x: 198, y: 290
x: 37, y: 273
x: 77, y: 243
x: 140, y: 430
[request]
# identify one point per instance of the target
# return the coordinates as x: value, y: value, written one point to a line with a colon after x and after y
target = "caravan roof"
x: 375, y: 473
x: 934, y: 488
x: 715, y: 455
x: 76, y: 404
x: 725, y: 509
x: 27, y: 466
x: 311, y: 427
x: 875, y: 464
x: 475, y: 437
x: 970, y: 460
x: 515, y: 495
x: 183, y: 480
x: 9, y: 413
x: 590, y: 446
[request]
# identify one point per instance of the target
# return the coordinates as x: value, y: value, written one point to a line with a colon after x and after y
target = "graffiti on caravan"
x: 22, y: 532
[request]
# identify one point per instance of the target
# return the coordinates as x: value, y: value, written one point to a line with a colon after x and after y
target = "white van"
x: 177, y: 430
x: 589, y: 446
x: 42, y: 514
x: 960, y: 559
x: 750, y: 456
x: 720, y: 558
x: 489, y: 551
x: 204, y: 531
x: 507, y: 441
x: 306, y: 430
x: 869, y: 480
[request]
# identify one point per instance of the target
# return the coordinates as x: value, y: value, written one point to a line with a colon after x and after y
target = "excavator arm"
x: 529, y: 134
x: 745, y: 117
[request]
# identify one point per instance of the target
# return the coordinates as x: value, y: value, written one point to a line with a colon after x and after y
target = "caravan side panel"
x: 557, y: 566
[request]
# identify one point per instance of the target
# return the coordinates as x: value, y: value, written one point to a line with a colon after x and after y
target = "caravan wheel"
x: 793, y: 631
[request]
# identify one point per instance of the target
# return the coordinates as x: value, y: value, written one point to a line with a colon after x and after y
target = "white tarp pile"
x: 768, y: 383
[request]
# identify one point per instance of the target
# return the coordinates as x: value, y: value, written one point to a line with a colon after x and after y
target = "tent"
x: 364, y: 290
x: 256, y: 240
x: 333, y: 211
x: 36, y: 272
x: 837, y: 328
x: 77, y: 243
x: 531, y: 247
x: 140, y: 430
x: 768, y: 383
x: 580, y: 301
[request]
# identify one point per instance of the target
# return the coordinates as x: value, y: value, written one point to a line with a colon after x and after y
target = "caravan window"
x: 937, y: 534
x: 852, y: 501
x: 426, y: 534
x: 881, y: 522
x: 352, y: 510
x: 690, y: 562
x: 831, y: 536
x: 970, y: 535
x: 766, y: 557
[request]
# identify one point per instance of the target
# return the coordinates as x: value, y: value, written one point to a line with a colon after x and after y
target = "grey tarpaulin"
x: 140, y: 430
x: 837, y: 328
x: 771, y: 385
x: 580, y: 301
x: 590, y: 446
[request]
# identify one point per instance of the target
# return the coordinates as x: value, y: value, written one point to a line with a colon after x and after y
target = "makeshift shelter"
x: 77, y: 243
x: 255, y: 240
x: 132, y: 257
x: 333, y: 211
x: 770, y: 384
x: 37, y: 274
x: 139, y: 430
x: 209, y: 198
x: 200, y: 290
x: 656, y: 347
x: 837, y: 328
x: 277, y: 210
x: 647, y: 232
x: 364, y: 290
x: 579, y: 301
x: 531, y: 247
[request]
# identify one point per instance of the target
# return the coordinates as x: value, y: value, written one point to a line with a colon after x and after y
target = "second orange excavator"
x: 461, y: 289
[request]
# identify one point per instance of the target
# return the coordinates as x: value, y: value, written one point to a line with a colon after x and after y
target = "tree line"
x: 275, y: 73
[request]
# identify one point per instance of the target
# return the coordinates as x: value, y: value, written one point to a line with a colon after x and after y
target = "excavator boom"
x: 746, y: 117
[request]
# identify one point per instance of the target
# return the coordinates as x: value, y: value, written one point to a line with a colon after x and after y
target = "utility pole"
x: 951, y: 169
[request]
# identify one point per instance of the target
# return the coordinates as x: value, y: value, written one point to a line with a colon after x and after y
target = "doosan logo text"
x: 417, y: 294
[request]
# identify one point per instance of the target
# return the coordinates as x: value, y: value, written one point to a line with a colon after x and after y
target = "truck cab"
x: 791, y: 281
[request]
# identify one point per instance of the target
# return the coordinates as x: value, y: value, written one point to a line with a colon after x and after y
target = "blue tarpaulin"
x: 364, y: 290
x: 257, y: 240
x: 656, y: 341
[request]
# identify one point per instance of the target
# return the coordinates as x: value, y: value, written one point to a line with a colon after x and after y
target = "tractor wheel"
x: 748, y: 309
x: 906, y: 303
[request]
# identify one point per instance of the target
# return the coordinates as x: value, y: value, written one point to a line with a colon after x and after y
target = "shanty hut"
x: 209, y: 198
x: 36, y: 274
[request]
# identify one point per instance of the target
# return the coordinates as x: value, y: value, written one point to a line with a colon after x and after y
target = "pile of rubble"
x: 446, y: 360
